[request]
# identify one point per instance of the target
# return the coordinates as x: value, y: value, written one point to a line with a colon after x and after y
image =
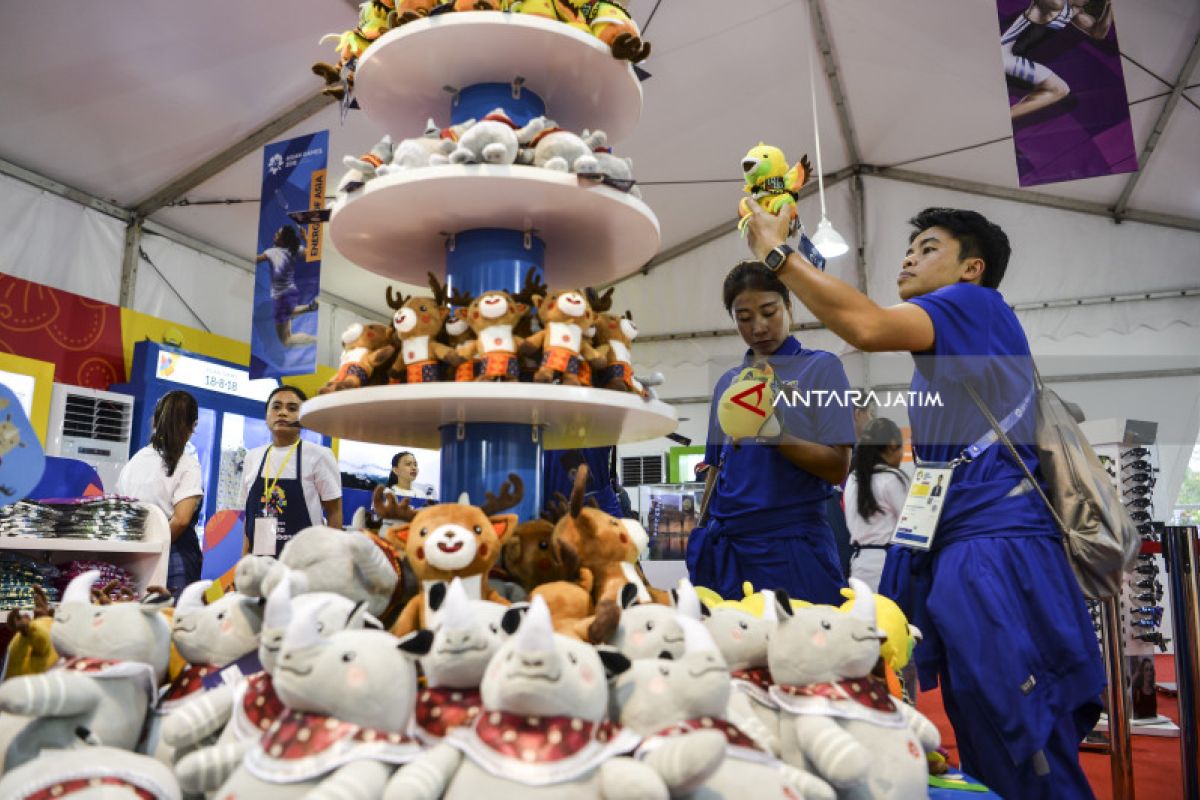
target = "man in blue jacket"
x: 1006, y: 629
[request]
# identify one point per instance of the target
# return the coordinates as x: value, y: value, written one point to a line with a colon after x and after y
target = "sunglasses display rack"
x: 1131, y: 463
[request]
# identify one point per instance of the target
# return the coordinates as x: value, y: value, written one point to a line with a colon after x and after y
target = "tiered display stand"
x: 482, y: 227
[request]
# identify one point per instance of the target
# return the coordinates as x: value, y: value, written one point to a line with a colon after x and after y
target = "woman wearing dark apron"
x: 293, y: 483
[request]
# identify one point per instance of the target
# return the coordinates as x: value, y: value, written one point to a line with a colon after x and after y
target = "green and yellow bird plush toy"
x: 772, y: 183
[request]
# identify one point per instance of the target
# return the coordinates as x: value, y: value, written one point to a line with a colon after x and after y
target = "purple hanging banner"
x: 1066, y: 90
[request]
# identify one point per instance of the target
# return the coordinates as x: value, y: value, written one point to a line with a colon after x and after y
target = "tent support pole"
x: 129, y: 262
x: 1160, y: 125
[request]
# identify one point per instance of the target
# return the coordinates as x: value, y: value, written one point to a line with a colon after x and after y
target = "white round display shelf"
x: 398, y: 224
x: 412, y: 414
x: 400, y: 81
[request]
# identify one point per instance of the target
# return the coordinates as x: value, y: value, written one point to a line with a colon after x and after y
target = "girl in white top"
x: 874, y: 495
x: 163, y: 474
x: 404, y: 475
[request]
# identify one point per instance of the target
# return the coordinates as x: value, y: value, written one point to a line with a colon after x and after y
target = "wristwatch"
x: 776, y: 257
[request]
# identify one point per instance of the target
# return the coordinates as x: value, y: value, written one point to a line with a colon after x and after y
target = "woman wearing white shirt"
x: 289, y: 484
x: 404, y: 473
x: 163, y: 474
x: 875, y: 493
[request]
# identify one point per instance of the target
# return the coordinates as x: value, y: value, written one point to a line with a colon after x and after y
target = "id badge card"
x: 265, y: 531
x: 923, y: 506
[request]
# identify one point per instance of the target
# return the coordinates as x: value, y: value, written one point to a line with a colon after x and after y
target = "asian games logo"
x: 275, y: 163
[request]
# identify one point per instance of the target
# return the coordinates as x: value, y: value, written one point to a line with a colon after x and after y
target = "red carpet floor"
x: 1156, y: 760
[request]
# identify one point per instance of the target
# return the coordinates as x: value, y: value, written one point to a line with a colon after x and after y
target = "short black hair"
x: 752, y: 276
x: 396, y: 458
x: 283, y: 387
x: 977, y: 237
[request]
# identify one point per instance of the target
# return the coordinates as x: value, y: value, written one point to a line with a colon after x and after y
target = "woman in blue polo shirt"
x: 765, y: 519
x: 1006, y: 631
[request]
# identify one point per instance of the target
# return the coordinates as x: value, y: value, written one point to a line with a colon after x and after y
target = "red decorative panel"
x: 81, y: 337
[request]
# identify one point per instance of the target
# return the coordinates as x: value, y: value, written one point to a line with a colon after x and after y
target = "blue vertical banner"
x: 287, y: 271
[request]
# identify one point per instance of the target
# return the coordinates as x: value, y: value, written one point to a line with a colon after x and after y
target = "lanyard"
x: 973, y: 451
x: 270, y: 485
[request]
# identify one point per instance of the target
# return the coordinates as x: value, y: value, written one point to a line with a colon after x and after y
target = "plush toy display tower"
x: 482, y: 227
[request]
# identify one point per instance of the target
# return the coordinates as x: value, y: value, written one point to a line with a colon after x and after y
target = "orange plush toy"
x: 608, y: 547
x: 366, y: 349
x: 492, y: 317
x: 452, y: 540
x: 565, y: 318
x: 548, y: 567
x: 418, y: 322
x: 614, y: 342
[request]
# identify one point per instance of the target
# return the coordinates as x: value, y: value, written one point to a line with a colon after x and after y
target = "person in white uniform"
x: 875, y: 493
x: 164, y: 474
x: 289, y: 484
x: 403, y: 478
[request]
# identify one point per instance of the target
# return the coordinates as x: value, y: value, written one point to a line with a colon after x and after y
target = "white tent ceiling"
x: 120, y: 99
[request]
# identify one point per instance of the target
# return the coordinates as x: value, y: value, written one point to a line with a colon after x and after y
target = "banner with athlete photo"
x: 287, y: 270
x: 1066, y: 90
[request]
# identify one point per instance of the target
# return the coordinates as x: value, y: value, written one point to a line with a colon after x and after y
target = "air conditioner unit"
x: 92, y: 426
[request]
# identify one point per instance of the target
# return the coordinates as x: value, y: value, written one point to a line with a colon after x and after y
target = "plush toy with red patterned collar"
x: 242, y: 709
x: 668, y: 697
x: 209, y: 637
x: 836, y: 718
x: 114, y: 657
x: 465, y: 638
x: 565, y: 316
x: 350, y: 696
x: 543, y: 731
x: 418, y: 323
x: 445, y: 541
x: 366, y: 350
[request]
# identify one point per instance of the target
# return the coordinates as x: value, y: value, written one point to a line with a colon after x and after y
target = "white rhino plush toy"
x: 113, y: 657
x: 563, y: 151
x: 430, y: 149
x: 360, y: 170
x: 322, y: 559
x: 836, y: 718
x: 242, y: 710
x: 350, y: 697
x: 666, y: 698
x: 91, y: 773
x: 208, y: 637
x: 742, y: 638
x: 495, y: 139
x: 647, y: 630
x: 542, y: 734
x: 465, y: 635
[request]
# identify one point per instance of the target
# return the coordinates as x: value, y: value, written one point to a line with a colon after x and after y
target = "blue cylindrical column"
x: 490, y: 259
x: 476, y: 102
x: 477, y: 457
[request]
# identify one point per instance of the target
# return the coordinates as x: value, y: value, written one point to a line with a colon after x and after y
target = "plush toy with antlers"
x: 366, y: 349
x: 492, y: 317
x: 607, y: 546
x: 565, y: 317
x: 457, y: 331
x: 418, y: 322
x: 614, y: 338
x: 548, y: 568
x: 450, y: 540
